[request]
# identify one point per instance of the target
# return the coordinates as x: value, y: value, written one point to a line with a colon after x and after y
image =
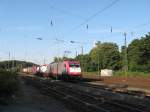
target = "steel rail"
x: 84, y: 97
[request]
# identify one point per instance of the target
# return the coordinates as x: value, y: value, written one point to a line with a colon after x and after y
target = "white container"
x: 106, y: 72
x: 25, y: 70
x: 43, y: 68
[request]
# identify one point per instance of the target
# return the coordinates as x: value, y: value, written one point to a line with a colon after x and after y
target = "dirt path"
x: 134, y: 83
x: 138, y: 82
x: 32, y: 101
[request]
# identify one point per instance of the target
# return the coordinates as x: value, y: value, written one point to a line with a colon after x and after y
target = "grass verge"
x: 118, y: 73
x: 9, y: 86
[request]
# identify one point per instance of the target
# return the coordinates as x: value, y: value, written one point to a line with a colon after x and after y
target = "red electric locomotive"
x: 65, y: 69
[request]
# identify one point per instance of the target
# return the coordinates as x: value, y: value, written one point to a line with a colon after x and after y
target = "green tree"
x: 57, y: 59
x: 139, y: 54
x: 85, y: 61
x: 106, y: 55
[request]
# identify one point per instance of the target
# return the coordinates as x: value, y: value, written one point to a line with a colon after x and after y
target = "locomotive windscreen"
x: 74, y: 65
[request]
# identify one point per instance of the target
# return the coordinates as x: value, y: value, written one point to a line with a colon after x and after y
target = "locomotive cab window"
x: 74, y: 65
x: 77, y: 65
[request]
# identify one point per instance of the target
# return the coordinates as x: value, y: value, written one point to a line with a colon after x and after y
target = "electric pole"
x: 98, y: 64
x: 125, y: 55
x: 8, y: 61
x: 82, y: 50
x: 76, y: 53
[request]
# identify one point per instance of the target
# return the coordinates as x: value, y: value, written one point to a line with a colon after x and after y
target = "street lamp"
x: 66, y: 52
x: 78, y: 43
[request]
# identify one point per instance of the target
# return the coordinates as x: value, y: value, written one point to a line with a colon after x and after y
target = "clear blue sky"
x: 22, y: 21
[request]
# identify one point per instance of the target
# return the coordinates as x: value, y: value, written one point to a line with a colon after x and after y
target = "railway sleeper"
x: 86, y: 97
x: 94, y: 100
x: 72, y: 101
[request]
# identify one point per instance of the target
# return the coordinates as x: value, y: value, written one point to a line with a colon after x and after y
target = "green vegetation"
x: 14, y: 65
x: 107, y: 56
x: 9, y: 85
x: 139, y: 54
x: 91, y: 73
x: 56, y: 59
x: 104, y: 55
x: 118, y: 73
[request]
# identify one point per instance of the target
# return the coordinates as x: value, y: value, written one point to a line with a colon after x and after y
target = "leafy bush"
x: 9, y: 85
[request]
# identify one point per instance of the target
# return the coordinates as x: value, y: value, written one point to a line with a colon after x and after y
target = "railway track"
x: 87, y: 99
x: 118, y: 88
x: 129, y: 100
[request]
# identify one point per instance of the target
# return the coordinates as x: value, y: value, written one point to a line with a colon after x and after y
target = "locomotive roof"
x: 66, y: 60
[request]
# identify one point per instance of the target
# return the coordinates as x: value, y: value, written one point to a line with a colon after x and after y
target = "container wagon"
x: 42, y: 70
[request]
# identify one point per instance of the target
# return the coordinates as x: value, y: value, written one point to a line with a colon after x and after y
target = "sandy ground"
x: 141, y: 83
x: 31, y: 100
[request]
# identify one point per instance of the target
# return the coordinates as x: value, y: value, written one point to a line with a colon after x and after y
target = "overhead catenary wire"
x: 141, y: 25
x: 52, y: 23
x: 92, y: 16
x: 57, y: 35
x: 56, y: 39
x: 95, y: 14
x: 86, y: 20
x: 62, y: 11
x: 135, y: 27
x: 132, y: 29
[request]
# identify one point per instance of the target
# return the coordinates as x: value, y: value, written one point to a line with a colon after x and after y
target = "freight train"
x: 30, y: 70
x: 64, y: 69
